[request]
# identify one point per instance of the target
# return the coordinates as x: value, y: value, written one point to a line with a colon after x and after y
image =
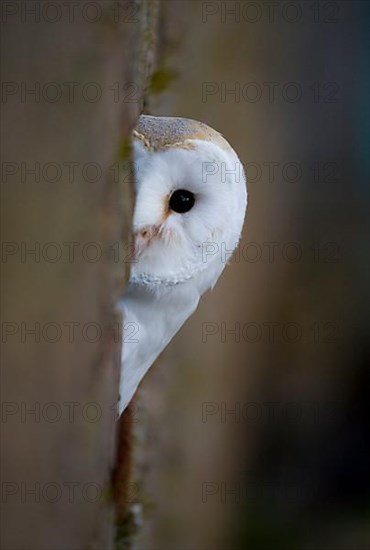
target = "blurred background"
x: 251, y: 429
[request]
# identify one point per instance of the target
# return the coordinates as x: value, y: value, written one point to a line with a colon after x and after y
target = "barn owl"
x: 190, y: 206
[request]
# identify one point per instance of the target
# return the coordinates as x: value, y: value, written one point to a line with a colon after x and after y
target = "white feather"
x: 187, y: 255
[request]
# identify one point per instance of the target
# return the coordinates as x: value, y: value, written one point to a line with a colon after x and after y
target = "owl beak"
x: 143, y: 238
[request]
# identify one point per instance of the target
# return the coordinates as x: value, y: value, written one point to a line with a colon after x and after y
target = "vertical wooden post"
x: 66, y: 213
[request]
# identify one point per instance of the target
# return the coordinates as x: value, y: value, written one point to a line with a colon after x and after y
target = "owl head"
x: 190, y: 201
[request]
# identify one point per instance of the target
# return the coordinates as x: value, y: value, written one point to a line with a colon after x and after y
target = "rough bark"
x: 65, y: 233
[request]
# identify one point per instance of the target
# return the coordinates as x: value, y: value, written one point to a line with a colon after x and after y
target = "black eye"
x: 182, y: 201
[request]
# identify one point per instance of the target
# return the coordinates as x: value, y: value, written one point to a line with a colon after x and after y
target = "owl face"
x: 190, y: 200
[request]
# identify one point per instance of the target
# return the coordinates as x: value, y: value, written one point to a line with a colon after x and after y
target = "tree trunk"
x: 72, y: 91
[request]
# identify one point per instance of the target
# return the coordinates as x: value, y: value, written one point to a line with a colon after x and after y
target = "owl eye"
x: 182, y: 201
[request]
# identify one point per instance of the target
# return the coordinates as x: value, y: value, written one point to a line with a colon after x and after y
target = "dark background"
x: 287, y: 466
